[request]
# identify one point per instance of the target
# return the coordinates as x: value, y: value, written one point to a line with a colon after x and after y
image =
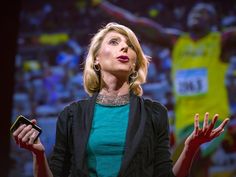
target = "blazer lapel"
x: 82, y: 122
x: 136, y: 125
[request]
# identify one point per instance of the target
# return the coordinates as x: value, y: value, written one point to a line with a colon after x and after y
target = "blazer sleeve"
x: 60, y: 159
x: 162, y: 156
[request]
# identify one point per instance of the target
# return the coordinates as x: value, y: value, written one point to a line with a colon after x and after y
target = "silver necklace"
x: 112, y: 100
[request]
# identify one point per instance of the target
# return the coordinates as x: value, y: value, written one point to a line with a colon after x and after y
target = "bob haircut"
x: 91, y: 78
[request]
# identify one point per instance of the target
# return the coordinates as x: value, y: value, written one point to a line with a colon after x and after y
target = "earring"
x: 134, y: 76
x: 96, y: 67
x: 134, y: 65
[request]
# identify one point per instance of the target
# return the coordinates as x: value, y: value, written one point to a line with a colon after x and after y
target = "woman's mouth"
x: 123, y: 58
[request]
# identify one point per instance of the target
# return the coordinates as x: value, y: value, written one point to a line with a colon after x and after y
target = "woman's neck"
x: 113, y: 86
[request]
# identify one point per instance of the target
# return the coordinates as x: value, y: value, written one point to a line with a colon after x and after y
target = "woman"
x: 115, y: 132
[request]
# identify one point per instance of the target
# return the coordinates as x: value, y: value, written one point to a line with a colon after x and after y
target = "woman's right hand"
x: 24, y: 137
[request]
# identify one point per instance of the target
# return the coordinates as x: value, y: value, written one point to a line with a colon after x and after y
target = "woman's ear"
x: 96, y: 61
x: 135, y: 64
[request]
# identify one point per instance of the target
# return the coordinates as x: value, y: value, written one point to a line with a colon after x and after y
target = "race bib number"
x: 191, y: 82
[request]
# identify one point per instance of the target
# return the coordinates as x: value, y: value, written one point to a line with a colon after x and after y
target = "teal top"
x: 106, y: 142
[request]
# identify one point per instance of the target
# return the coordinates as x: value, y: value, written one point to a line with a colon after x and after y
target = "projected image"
x: 192, y: 67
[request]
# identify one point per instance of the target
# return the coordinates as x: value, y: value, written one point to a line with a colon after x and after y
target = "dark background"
x: 9, y: 20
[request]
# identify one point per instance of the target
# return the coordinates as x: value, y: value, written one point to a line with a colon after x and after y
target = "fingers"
x: 215, y: 118
x: 16, y: 133
x: 196, y: 123
x: 33, y: 137
x: 24, y: 131
x: 30, y: 137
x: 221, y: 126
x: 216, y: 133
x: 219, y: 130
x: 205, y: 122
x: 207, y: 128
x: 33, y: 121
x: 212, y: 124
x: 25, y: 136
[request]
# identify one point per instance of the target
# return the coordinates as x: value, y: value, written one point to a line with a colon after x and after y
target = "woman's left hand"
x: 207, y: 132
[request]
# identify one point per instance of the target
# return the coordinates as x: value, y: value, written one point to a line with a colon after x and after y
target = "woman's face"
x: 116, y: 55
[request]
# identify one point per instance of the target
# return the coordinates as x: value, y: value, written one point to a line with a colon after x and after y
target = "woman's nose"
x: 124, y: 48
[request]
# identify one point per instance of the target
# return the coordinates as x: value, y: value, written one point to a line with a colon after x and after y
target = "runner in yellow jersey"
x: 198, y: 76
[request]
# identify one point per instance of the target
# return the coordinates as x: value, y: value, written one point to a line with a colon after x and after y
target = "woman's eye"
x: 131, y: 46
x: 113, y: 42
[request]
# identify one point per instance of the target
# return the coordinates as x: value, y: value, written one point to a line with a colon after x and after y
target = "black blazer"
x: 147, y: 140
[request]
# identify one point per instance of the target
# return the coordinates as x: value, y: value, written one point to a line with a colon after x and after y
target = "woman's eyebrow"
x: 127, y: 41
x: 115, y: 37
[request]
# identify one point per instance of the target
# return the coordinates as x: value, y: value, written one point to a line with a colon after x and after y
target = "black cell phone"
x: 22, y: 120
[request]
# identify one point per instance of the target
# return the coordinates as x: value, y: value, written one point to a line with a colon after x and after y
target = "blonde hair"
x: 91, y: 77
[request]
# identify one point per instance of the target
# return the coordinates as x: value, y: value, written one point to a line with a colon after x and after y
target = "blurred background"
x: 51, y: 39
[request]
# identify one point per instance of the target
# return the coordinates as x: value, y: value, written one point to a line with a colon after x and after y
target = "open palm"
x: 207, y: 132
